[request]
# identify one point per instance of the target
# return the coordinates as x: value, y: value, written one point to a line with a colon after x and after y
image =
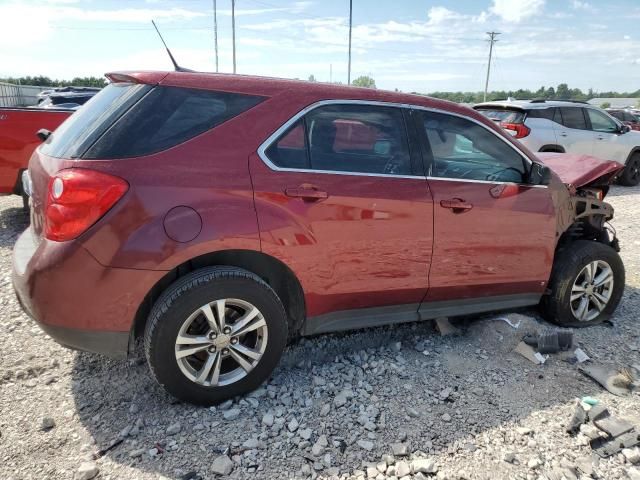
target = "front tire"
x: 630, y: 176
x: 587, y: 283
x: 214, y: 334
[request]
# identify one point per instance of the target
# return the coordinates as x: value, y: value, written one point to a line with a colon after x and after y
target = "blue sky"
x: 406, y: 44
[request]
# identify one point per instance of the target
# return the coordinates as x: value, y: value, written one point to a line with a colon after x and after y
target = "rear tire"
x: 201, y: 359
x: 630, y: 176
x: 587, y: 283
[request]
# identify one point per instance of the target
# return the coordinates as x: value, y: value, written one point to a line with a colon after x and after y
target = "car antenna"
x: 177, y: 67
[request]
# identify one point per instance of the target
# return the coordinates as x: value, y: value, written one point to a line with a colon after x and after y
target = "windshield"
x: 80, y: 130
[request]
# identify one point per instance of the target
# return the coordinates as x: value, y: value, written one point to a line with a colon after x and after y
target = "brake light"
x: 518, y: 130
x: 77, y: 198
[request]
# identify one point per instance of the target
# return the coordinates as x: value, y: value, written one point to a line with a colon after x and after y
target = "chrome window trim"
x: 284, y: 127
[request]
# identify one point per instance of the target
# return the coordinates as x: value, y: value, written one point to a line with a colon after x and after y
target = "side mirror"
x: 540, y: 174
x: 625, y: 129
x: 43, y: 134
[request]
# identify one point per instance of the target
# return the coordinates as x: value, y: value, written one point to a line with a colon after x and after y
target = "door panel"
x: 573, y: 133
x: 500, y: 246
x: 609, y: 143
x: 367, y: 244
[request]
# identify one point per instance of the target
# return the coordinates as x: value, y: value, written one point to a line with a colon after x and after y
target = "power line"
x: 492, y: 40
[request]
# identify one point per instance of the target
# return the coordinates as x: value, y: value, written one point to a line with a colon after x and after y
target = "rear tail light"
x: 518, y: 130
x: 78, y: 198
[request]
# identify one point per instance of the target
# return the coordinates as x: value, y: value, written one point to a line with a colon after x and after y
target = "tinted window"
x: 617, y: 114
x: 601, y: 122
x: 463, y: 149
x: 572, y: 117
x: 165, y: 117
x: 290, y: 150
x: 546, y: 113
x: 358, y: 138
x: 82, y: 128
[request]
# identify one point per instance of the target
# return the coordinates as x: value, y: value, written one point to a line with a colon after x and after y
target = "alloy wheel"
x: 591, y: 291
x: 221, y: 342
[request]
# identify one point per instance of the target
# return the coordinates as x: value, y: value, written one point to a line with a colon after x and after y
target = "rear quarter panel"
x: 18, y: 127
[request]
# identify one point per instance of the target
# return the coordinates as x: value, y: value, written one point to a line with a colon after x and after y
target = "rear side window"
x: 573, y: 117
x: 165, y: 117
x: 358, y: 138
x: 346, y: 138
x: 546, y: 113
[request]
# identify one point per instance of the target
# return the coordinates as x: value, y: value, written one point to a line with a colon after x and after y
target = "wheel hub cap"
x: 591, y: 291
x: 221, y: 342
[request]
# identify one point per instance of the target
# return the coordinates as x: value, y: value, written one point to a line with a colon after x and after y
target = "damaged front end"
x: 582, y: 211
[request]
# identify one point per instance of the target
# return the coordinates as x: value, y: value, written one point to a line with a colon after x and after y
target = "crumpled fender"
x: 581, y: 170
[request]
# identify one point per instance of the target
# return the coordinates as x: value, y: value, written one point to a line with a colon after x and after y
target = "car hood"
x: 581, y: 170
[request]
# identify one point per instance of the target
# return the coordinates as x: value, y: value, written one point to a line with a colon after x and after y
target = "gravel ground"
x: 339, y: 406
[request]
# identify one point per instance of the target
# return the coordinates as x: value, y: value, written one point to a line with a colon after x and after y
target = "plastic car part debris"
x: 445, y: 327
x: 619, y: 381
x: 607, y: 447
x: 509, y: 322
x: 579, y: 417
x: 581, y: 357
x: 597, y: 412
x: 530, y: 354
x: 613, y: 426
x: 590, y: 401
x: 551, y: 341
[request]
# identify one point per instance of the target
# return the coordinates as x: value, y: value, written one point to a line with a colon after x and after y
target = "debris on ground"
x: 580, y: 356
x: 550, y: 340
x: 445, y: 327
x: 530, y: 354
x: 620, y: 381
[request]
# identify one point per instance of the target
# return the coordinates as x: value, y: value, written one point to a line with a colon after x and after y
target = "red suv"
x: 218, y: 216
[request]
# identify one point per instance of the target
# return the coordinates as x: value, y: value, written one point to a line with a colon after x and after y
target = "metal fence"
x: 12, y: 95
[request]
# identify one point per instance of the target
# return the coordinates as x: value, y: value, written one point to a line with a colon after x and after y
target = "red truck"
x: 18, y: 140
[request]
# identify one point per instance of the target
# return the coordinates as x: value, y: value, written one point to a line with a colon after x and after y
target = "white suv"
x: 571, y: 127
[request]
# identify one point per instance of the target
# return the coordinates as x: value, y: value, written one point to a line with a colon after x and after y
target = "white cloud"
x: 438, y: 15
x: 516, y: 10
x: 627, y: 37
x: 581, y: 5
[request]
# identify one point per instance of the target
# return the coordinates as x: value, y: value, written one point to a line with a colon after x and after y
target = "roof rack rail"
x: 538, y: 100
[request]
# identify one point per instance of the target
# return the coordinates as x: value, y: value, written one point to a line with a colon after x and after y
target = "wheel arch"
x: 634, y: 151
x: 273, y: 271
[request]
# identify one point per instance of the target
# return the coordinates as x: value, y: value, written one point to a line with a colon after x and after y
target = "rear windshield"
x: 506, y: 116
x: 81, y: 129
x: 126, y: 120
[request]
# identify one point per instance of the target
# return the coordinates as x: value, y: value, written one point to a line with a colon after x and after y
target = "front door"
x: 610, y: 143
x: 342, y: 199
x: 494, y: 235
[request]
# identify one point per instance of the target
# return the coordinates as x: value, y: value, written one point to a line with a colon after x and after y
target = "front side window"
x: 573, y: 117
x: 601, y: 122
x: 465, y: 150
x: 345, y: 138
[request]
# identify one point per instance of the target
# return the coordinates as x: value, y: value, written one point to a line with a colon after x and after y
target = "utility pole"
x: 350, y: 25
x: 492, y: 40
x: 233, y: 31
x: 215, y: 31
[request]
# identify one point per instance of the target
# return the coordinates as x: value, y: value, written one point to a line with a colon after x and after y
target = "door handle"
x: 456, y: 204
x: 306, y: 192
x: 563, y: 134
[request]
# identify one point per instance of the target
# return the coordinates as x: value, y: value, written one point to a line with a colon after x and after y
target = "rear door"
x: 573, y: 132
x: 342, y: 199
x: 494, y: 235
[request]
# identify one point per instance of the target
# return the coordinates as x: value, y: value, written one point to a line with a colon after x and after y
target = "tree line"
x: 42, y: 81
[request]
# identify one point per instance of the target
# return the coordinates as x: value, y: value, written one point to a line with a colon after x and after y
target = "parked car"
x: 18, y: 140
x: 217, y: 216
x: 19, y: 131
x: 627, y: 117
x: 571, y: 127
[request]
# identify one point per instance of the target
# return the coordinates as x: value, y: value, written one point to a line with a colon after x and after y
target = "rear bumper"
x: 76, y: 300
